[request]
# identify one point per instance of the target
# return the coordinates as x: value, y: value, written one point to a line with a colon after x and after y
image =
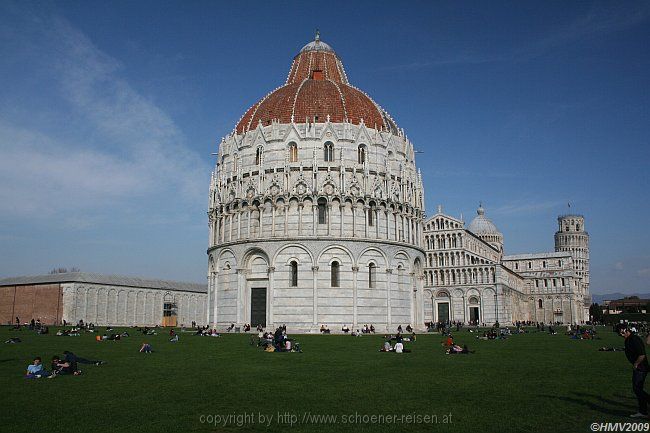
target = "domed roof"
x: 317, y: 45
x: 317, y: 89
x: 481, y: 225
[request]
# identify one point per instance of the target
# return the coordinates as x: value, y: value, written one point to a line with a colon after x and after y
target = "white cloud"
x: 130, y: 150
x: 618, y: 266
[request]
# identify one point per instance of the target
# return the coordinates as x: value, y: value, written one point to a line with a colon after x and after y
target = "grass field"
x: 529, y: 382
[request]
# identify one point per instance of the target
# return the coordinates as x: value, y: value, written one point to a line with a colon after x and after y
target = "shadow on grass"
x: 587, y: 400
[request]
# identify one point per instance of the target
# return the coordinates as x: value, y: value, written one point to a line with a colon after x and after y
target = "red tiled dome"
x: 316, y: 87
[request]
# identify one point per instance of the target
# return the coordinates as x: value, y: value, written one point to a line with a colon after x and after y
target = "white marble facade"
x: 361, y: 209
x: 469, y: 279
x: 105, y: 304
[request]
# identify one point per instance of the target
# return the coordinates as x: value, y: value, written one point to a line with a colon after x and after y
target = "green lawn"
x: 530, y: 382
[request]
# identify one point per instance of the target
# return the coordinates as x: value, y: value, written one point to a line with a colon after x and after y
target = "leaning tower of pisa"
x: 572, y: 237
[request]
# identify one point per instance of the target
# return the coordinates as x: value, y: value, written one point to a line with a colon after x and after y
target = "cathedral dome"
x: 481, y: 225
x: 316, y: 90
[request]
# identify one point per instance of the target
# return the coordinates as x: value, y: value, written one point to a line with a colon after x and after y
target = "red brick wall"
x: 41, y: 301
x: 7, y: 305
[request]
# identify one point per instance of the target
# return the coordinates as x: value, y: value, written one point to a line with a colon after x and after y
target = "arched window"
x: 293, y: 152
x: 371, y: 212
x: 258, y: 156
x: 294, y: 274
x: 328, y: 152
x: 322, y: 211
x: 372, y: 275
x: 334, y: 274
x: 539, y: 303
x: 361, y: 152
x: 577, y: 227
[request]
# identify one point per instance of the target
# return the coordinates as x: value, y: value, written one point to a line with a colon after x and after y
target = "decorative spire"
x: 480, y: 210
x: 317, y: 38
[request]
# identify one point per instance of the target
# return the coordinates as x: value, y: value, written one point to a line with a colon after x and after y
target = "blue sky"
x: 109, y: 112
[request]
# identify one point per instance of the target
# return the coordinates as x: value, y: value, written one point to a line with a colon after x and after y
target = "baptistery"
x: 316, y: 209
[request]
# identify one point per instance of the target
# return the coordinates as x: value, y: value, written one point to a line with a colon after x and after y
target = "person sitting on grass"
x: 35, y: 370
x: 174, y: 339
x: 345, y: 329
x: 372, y: 329
x: 386, y: 347
x: 449, y: 341
x: 230, y: 328
x: 64, y: 367
x: 146, y: 348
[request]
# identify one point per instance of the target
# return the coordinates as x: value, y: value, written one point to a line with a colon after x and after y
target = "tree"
x: 596, y: 313
x: 64, y: 270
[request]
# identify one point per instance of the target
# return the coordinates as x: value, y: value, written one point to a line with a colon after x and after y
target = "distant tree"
x: 596, y: 313
x: 64, y: 270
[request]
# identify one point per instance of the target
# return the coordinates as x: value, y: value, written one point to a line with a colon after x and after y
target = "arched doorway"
x: 474, y: 311
x: 443, y: 313
x: 257, y: 288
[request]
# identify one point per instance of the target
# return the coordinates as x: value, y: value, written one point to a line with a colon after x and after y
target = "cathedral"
x: 316, y: 216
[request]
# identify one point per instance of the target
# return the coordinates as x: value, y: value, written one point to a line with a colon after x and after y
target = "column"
x: 215, y: 297
x: 387, y: 224
x: 366, y: 209
x: 239, y: 224
x: 241, y: 302
x: 342, y: 212
x: 314, y: 211
x: 270, y: 296
x: 389, y: 283
x: 574, y: 315
x: 355, y: 272
x: 300, y: 206
x: 273, y: 219
x: 230, y: 226
x: 250, y: 215
x: 286, y: 219
x: 314, y: 270
x: 414, y: 290
x: 465, y: 306
x: 329, y: 218
x: 376, y: 216
x: 208, y: 311
x: 354, y: 220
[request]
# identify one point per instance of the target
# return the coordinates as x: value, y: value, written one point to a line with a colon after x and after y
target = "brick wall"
x: 44, y: 301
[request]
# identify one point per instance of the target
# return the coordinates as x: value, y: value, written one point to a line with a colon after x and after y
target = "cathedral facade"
x: 469, y: 279
x: 316, y: 216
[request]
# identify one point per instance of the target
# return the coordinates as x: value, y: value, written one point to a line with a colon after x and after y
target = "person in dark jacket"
x: 635, y: 353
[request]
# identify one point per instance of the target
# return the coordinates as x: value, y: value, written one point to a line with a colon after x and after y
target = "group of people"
x: 399, y: 343
x: 578, y: 332
x: 451, y: 348
x: 355, y: 333
x: 205, y: 331
x: 277, y: 341
x: 66, y: 366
